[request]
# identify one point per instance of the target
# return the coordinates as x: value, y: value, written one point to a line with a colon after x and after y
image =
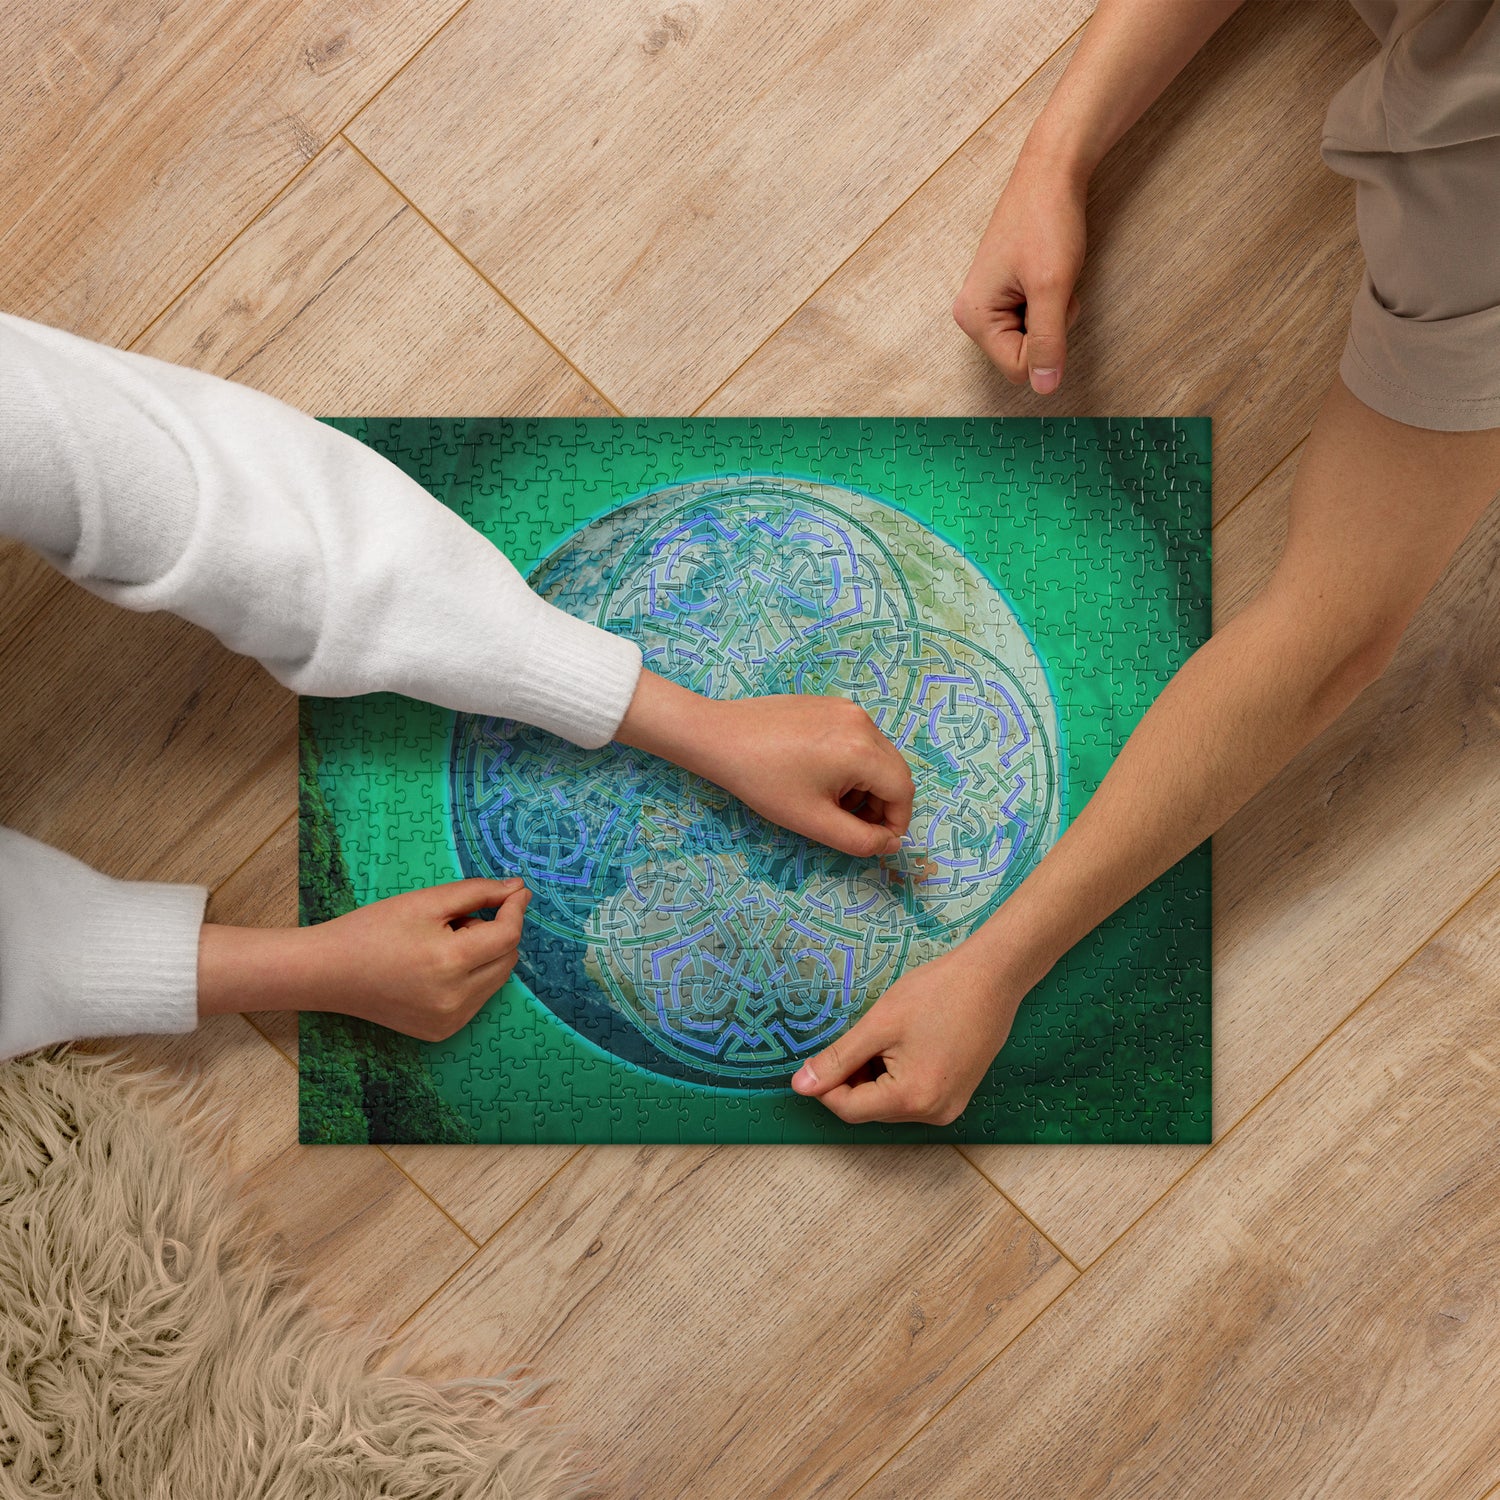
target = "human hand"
x: 1017, y: 300
x: 816, y: 765
x: 422, y: 962
x: 919, y: 1052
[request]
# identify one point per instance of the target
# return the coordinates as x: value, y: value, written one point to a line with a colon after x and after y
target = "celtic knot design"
x: 671, y: 925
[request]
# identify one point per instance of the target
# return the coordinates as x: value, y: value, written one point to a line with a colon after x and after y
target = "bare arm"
x: 1129, y: 52
x: 1017, y: 300
x: 1378, y: 508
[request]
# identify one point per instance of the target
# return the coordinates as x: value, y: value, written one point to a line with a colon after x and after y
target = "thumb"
x: 488, y: 941
x: 834, y: 1064
x: 1047, y: 339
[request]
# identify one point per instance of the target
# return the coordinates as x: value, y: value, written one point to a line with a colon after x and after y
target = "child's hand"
x: 920, y: 1051
x: 818, y: 766
x: 421, y: 962
x: 1017, y: 301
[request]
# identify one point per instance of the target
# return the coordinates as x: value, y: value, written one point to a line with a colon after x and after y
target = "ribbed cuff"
x: 578, y: 680
x: 137, y: 965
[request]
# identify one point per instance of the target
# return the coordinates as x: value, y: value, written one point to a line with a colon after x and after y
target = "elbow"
x: 1358, y: 663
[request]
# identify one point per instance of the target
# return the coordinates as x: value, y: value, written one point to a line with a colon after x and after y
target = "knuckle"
x: 1048, y: 281
x: 441, y: 961
x: 855, y: 744
x: 442, y: 998
x: 923, y: 1099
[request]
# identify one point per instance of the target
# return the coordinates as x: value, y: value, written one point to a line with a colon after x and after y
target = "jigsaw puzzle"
x: 1005, y: 597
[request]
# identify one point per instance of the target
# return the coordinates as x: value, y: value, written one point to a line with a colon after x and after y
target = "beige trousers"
x: 1418, y: 129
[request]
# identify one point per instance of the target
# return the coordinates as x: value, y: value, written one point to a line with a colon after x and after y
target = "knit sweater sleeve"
x: 84, y: 955
x: 158, y: 487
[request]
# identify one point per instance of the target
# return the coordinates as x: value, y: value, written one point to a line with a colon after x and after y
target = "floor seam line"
x: 509, y: 302
x: 215, y: 889
x: 478, y: 1250
x: 1063, y: 1254
x: 993, y: 114
x: 1297, y: 1067
x: 1093, y: 1264
x: 380, y: 1147
x: 286, y: 186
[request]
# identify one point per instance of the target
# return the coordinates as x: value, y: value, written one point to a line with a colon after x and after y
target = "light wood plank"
x: 757, y: 1321
x: 262, y: 892
x: 657, y: 189
x: 140, y: 139
x: 373, y: 1247
x: 1222, y: 261
x: 1311, y: 1313
x: 482, y: 1187
x: 1325, y: 882
x: 139, y: 743
x: 342, y: 300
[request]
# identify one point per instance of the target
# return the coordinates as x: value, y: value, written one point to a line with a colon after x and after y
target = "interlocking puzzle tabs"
x: 1005, y: 597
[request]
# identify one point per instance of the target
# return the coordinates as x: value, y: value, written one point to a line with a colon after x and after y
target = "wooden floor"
x: 425, y: 206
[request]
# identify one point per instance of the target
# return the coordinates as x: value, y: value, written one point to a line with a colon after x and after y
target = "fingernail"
x: 1044, y: 382
x: 804, y: 1077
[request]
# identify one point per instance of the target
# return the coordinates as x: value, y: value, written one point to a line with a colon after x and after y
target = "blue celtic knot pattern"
x: 671, y: 925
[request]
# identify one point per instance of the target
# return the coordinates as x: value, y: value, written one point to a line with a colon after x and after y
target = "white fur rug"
x: 153, y: 1346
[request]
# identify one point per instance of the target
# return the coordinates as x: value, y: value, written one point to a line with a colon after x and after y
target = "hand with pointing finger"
x: 1017, y: 301
x: 920, y: 1051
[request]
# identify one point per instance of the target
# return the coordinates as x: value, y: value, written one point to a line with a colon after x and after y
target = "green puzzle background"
x: 1096, y: 531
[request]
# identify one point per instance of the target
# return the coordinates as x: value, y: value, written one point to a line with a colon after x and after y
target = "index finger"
x: 859, y: 1103
x: 1003, y: 340
x: 487, y: 941
x: 458, y: 898
x: 890, y: 780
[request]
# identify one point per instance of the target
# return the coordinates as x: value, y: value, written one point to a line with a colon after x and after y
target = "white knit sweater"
x: 158, y: 487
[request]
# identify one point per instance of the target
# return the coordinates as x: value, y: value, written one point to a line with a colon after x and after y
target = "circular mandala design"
x: 669, y: 924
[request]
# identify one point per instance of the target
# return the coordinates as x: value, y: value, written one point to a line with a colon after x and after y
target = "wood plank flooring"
x: 729, y: 207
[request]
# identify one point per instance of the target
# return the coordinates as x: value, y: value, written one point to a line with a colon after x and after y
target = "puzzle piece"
x: 1005, y: 596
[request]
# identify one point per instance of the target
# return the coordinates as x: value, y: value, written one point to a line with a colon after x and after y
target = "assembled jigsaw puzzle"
x: 1005, y: 597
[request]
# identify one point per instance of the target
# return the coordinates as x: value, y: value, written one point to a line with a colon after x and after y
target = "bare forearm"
x: 1237, y: 712
x: 1129, y: 52
x: 1377, y: 510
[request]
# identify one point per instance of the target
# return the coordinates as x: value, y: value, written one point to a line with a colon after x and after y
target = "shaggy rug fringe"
x: 155, y: 1345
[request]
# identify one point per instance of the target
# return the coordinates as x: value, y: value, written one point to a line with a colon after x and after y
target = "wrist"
x: 1008, y: 959
x: 1056, y: 151
x: 254, y: 968
x: 675, y: 723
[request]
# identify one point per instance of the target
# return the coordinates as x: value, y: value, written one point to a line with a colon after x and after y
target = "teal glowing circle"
x: 670, y: 925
